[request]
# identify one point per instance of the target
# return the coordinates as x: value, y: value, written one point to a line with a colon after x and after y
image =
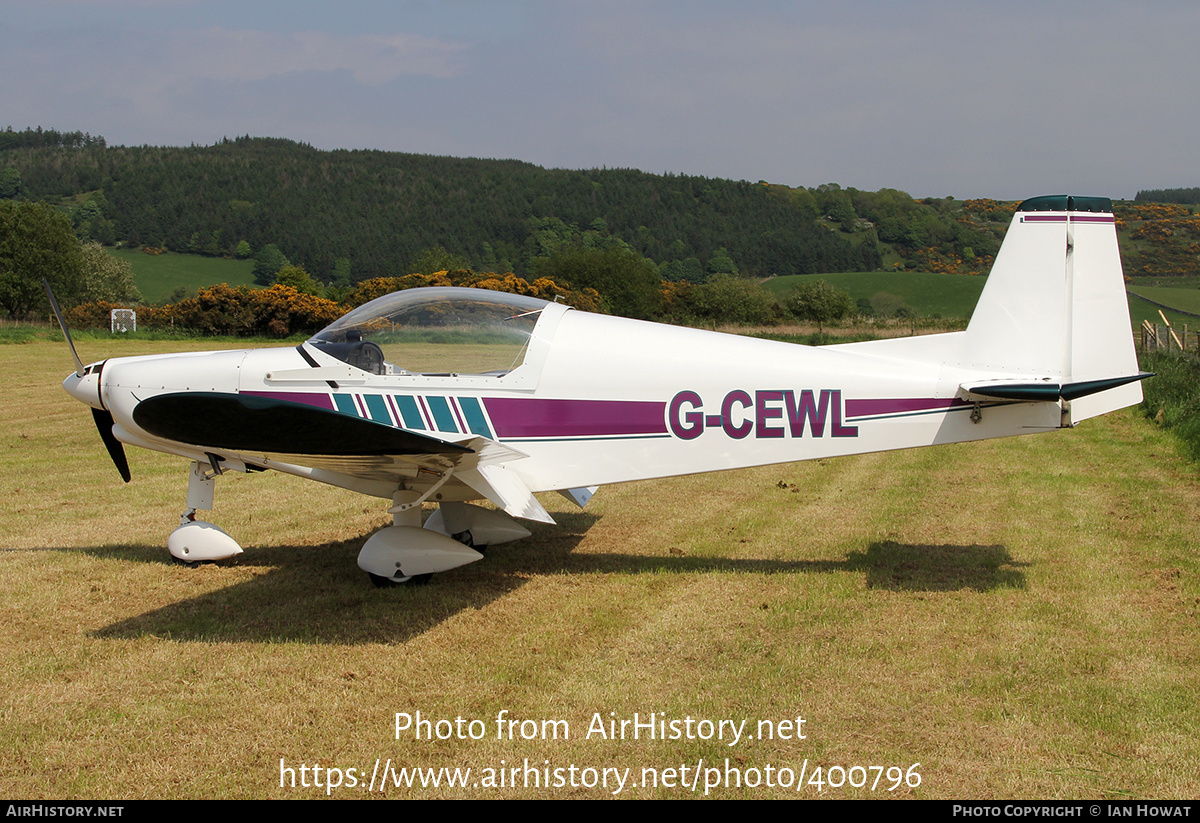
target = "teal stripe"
x: 377, y: 408
x: 345, y: 404
x: 586, y: 439
x: 409, y: 411
x: 476, y: 422
x: 442, y: 415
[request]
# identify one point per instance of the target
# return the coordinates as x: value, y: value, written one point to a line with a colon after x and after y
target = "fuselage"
x: 600, y: 399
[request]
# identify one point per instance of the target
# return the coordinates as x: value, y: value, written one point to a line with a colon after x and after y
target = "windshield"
x: 435, y: 331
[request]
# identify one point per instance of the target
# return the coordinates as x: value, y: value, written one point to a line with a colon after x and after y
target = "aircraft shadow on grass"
x: 928, y: 568
x: 310, y: 594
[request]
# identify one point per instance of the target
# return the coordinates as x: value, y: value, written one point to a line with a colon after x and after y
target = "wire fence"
x: 1167, y: 338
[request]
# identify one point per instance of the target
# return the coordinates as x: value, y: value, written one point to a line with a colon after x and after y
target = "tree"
x: 243, y: 251
x: 341, y: 272
x: 628, y: 283
x: 298, y: 279
x: 36, y: 242
x: 721, y: 263
x: 435, y: 259
x: 689, y: 270
x: 84, y: 215
x: 10, y: 182
x: 817, y: 300
x: 730, y: 299
x: 267, y: 263
x: 805, y: 203
x: 105, y: 277
x: 886, y: 304
x: 547, y: 235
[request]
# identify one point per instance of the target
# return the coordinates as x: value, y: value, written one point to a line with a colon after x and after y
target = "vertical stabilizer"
x: 1054, y: 308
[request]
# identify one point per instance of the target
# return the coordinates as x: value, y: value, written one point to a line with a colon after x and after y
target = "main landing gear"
x: 405, y: 552
x: 454, y: 535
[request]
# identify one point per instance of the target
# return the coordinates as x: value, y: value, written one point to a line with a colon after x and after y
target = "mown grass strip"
x: 1020, y: 617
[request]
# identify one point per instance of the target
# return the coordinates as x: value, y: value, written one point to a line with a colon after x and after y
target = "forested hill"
x: 380, y: 210
x: 1184, y: 196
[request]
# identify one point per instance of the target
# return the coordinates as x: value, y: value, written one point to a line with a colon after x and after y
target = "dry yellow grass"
x: 1019, y: 617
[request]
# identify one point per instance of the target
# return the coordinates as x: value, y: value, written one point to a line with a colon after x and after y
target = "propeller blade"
x: 104, y: 419
x: 62, y: 324
x: 116, y: 450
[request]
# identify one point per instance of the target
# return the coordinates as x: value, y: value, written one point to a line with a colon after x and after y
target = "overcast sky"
x: 1000, y: 99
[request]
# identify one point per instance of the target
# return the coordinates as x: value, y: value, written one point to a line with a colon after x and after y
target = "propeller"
x: 62, y: 324
x: 116, y: 450
x: 102, y: 417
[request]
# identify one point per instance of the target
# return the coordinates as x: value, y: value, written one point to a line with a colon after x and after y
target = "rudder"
x: 1054, y: 308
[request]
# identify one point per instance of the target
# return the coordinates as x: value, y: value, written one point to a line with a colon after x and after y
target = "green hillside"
x: 380, y: 210
x: 1188, y: 300
x: 347, y: 216
x: 928, y: 293
x: 1185, y: 300
x: 954, y: 295
x: 158, y: 275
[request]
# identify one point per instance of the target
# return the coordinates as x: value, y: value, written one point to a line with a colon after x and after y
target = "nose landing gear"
x: 197, y: 541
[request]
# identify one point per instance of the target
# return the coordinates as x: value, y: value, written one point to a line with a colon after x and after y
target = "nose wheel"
x: 382, y: 582
x: 197, y: 541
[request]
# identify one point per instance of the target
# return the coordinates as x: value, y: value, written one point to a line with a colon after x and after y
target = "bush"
x: 819, y: 301
x: 1172, y: 398
x: 729, y: 299
x: 279, y: 311
x: 543, y: 287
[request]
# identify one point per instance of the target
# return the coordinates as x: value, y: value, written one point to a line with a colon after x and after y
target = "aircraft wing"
x: 270, y: 432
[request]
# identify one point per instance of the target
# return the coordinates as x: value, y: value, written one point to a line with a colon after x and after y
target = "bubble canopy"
x: 434, y: 331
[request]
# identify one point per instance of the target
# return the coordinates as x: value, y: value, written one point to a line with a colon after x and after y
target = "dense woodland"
x: 380, y: 210
x: 644, y: 242
x: 1184, y: 196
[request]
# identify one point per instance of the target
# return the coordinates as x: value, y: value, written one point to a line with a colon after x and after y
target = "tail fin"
x: 1053, y: 319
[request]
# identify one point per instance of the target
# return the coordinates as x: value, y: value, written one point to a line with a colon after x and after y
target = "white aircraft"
x: 453, y: 395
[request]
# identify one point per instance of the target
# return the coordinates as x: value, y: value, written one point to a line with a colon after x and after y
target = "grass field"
x: 950, y: 295
x: 158, y: 275
x: 1019, y: 617
x: 955, y: 295
x: 1140, y: 310
x: 928, y: 293
x: 1184, y: 299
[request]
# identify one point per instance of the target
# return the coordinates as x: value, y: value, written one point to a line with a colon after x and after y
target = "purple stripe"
x: 321, y: 401
x: 869, y: 408
x: 1074, y: 217
x: 521, y: 417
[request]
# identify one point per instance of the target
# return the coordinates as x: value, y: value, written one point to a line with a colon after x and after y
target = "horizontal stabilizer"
x: 1049, y: 390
